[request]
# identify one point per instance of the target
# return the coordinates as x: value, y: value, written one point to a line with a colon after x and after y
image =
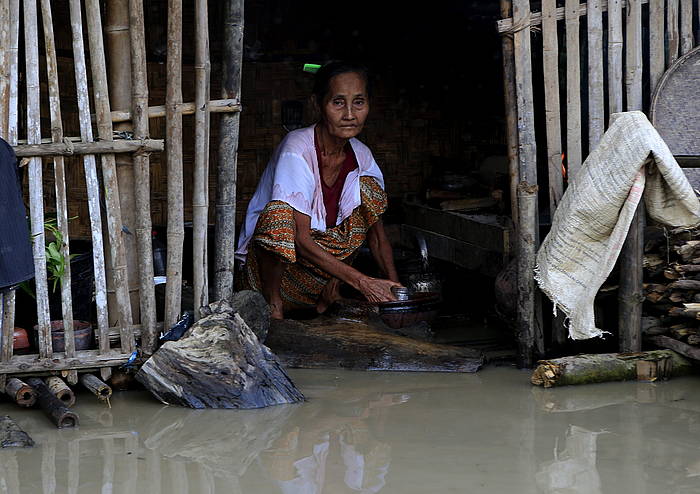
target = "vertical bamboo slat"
x: 633, y: 55
x: 4, y: 66
x: 656, y: 42
x: 109, y: 175
x: 91, y: 180
x: 200, y: 194
x: 672, y: 31
x: 225, y: 235
x: 6, y: 337
x: 36, y: 185
x: 173, y: 138
x: 139, y: 112
x: 60, y: 182
x: 686, y: 26
x: 573, y: 89
x: 596, y: 94
x: 615, y: 46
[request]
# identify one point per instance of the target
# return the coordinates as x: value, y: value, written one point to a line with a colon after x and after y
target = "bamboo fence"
x: 115, y: 344
x: 633, y: 73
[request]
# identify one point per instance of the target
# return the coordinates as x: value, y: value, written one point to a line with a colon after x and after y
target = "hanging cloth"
x: 16, y: 263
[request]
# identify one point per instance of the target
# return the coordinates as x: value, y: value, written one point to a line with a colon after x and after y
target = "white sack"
x: 591, y: 223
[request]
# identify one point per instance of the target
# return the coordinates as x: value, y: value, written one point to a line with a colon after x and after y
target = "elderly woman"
x: 320, y: 197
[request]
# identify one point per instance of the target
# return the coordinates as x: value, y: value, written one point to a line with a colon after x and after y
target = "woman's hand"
x: 377, y: 290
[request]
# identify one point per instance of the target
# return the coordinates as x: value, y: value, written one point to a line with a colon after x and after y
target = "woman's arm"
x: 374, y: 289
x: 380, y: 247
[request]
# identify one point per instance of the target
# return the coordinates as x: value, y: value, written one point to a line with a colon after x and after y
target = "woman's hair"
x: 322, y: 82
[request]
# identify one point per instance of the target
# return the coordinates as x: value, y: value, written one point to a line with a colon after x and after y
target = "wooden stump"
x: 219, y: 363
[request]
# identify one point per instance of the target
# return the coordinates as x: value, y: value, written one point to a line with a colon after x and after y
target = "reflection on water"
x: 372, y: 433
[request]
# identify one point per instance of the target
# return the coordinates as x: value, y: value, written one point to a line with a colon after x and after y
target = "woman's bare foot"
x: 329, y: 294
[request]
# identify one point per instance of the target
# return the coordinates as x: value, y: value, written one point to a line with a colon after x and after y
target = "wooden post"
x: 173, y: 136
x: 615, y: 45
x: 20, y: 392
x: 687, y: 42
x: 200, y: 194
x: 139, y: 98
x: 531, y: 339
x: 60, y: 182
x: 118, y: 70
x: 53, y: 407
x: 573, y: 90
x: 631, y: 292
x: 656, y: 42
x: 511, y: 112
x: 91, y: 180
x: 36, y: 186
x: 109, y: 176
x: 672, y: 31
x: 225, y: 235
x: 61, y: 391
x: 596, y: 96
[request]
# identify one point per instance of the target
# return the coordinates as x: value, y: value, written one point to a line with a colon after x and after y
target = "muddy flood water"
x: 490, y: 432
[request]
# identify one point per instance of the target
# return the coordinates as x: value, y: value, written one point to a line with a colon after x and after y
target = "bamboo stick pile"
x: 672, y: 284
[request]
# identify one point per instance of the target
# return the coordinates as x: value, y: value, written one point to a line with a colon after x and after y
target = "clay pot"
x: 20, y: 339
x: 82, y: 331
x: 421, y: 306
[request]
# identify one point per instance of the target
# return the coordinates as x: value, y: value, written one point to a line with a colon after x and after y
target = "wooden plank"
x: 615, y: 46
x: 677, y: 346
x: 200, y: 194
x: 573, y: 92
x: 60, y: 181
x: 109, y: 174
x: 173, y: 135
x: 36, y: 186
x: 509, y: 100
x: 672, y: 34
x: 69, y: 148
x: 687, y: 41
x: 596, y: 94
x: 91, y: 180
x: 142, y: 179
x: 84, y: 359
x: 225, y: 105
x: 487, y: 231
x: 656, y: 42
x: 227, y: 166
x: 506, y: 25
x: 633, y: 55
x: 550, y: 59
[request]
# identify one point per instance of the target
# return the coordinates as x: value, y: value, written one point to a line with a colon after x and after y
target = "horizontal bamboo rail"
x: 506, y: 25
x: 84, y: 359
x: 229, y: 105
x: 68, y: 148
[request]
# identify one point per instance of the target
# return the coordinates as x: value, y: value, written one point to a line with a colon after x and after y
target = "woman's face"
x: 345, y: 107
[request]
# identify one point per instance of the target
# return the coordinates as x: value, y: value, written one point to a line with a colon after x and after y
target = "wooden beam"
x: 506, y: 25
x: 69, y: 148
x: 84, y: 359
x: 677, y: 346
x: 226, y: 105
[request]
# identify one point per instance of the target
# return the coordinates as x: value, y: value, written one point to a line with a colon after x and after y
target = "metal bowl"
x: 422, y: 306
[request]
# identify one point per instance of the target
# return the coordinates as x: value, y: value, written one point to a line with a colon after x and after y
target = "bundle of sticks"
x: 672, y: 284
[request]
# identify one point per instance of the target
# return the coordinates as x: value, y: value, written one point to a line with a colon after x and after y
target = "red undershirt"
x: 331, y: 194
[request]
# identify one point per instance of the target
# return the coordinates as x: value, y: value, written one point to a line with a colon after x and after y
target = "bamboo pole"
x: 226, y: 105
x: 672, y: 31
x: 96, y: 386
x: 200, y: 194
x: 68, y: 148
x: 59, y: 414
x: 510, y: 103
x: 173, y: 136
x: 109, y: 175
x: 4, y: 67
x: 36, y: 184
x: 7, y: 324
x: 633, y: 55
x: 550, y: 59
x: 530, y: 346
x: 573, y: 90
x: 60, y: 182
x: 596, y: 94
x: 139, y: 98
x: 630, y: 294
x: 61, y: 390
x: 687, y: 42
x: 20, y: 392
x: 225, y: 236
x: 615, y: 45
x: 118, y: 72
x: 91, y: 180
x: 656, y: 42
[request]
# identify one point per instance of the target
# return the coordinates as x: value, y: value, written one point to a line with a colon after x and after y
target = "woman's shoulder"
x: 298, y: 141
